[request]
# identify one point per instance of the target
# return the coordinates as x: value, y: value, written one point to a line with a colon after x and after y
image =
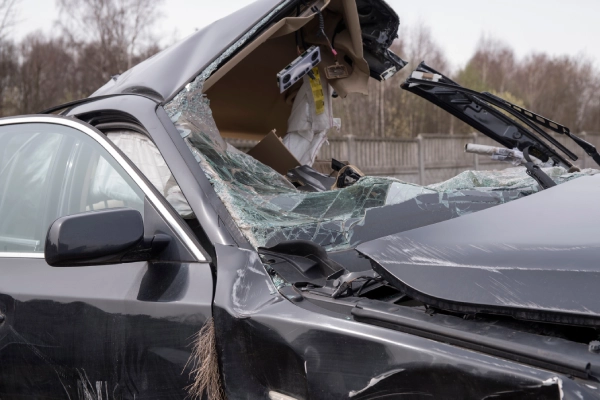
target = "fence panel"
x: 430, y: 158
x: 337, y: 148
x: 444, y: 156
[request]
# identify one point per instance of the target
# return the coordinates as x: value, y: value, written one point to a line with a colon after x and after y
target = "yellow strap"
x: 317, y: 91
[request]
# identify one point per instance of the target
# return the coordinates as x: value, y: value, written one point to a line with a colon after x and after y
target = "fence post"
x: 421, y: 147
x: 350, y: 145
x: 476, y: 156
x: 583, y: 135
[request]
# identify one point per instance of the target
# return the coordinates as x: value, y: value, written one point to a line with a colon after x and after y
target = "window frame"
x: 146, y: 188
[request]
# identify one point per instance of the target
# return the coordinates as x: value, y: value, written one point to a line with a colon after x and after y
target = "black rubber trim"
x: 89, y: 100
x: 112, y: 126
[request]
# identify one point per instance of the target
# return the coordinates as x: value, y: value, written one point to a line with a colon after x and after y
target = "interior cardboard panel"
x: 347, y: 43
x: 284, y: 27
x: 247, y: 99
x: 272, y: 152
x: 244, y: 95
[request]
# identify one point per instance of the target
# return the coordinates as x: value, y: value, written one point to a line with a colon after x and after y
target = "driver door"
x: 102, y: 331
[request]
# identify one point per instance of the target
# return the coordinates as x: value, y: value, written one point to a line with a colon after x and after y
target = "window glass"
x: 48, y: 171
x: 142, y: 152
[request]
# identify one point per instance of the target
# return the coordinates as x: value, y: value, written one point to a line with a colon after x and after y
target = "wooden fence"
x: 429, y: 158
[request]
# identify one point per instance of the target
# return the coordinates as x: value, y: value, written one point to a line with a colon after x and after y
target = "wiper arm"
x: 589, y: 148
x: 536, y: 172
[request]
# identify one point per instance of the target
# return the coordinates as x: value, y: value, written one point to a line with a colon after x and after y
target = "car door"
x: 121, y: 330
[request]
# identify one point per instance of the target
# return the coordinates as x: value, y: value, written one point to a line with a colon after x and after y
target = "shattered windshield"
x: 508, y: 179
x: 268, y: 209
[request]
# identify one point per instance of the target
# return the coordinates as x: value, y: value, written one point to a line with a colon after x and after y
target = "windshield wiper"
x: 478, y: 97
x: 589, y: 148
x: 536, y: 172
x: 424, y: 75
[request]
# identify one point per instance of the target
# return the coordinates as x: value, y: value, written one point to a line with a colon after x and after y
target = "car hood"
x: 163, y: 75
x: 536, y: 258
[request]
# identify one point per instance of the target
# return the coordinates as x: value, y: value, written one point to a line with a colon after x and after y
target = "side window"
x: 48, y: 171
x: 142, y: 152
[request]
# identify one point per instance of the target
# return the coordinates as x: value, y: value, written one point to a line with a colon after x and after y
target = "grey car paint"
x: 536, y: 258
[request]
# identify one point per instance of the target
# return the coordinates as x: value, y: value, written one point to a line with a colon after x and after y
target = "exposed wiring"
x: 322, y: 33
x: 338, y: 29
x: 298, y: 34
x: 347, y: 286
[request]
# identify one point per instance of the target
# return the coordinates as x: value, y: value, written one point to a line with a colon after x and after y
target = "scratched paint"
x: 555, y: 381
x: 374, y: 381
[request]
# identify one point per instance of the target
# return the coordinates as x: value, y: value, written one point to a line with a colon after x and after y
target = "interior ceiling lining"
x: 244, y: 96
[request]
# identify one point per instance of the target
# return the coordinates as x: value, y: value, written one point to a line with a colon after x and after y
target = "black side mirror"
x: 100, y: 237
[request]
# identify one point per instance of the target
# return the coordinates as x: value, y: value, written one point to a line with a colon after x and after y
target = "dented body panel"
x: 517, y: 259
x: 111, y: 332
x: 306, y: 351
x: 395, y: 290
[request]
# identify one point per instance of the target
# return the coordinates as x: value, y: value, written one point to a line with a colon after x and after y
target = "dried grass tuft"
x: 205, y: 365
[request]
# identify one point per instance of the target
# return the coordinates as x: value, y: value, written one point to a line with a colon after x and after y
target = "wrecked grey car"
x: 142, y: 256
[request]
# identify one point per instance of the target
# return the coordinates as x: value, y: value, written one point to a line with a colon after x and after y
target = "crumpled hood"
x: 164, y: 74
x: 536, y: 258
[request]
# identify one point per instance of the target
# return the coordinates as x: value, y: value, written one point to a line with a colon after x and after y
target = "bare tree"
x: 108, y: 36
x: 8, y: 69
x: 563, y: 88
x: 7, y: 16
x: 8, y: 53
x: 492, y: 66
x: 44, y: 76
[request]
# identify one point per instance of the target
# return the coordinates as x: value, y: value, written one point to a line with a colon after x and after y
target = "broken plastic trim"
x: 379, y: 25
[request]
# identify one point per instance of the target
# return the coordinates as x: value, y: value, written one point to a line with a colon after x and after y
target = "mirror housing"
x: 107, y: 236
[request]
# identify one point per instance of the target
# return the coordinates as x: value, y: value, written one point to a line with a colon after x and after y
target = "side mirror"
x: 98, y: 237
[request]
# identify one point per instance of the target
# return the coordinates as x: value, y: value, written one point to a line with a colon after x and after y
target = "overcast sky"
x: 552, y: 26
